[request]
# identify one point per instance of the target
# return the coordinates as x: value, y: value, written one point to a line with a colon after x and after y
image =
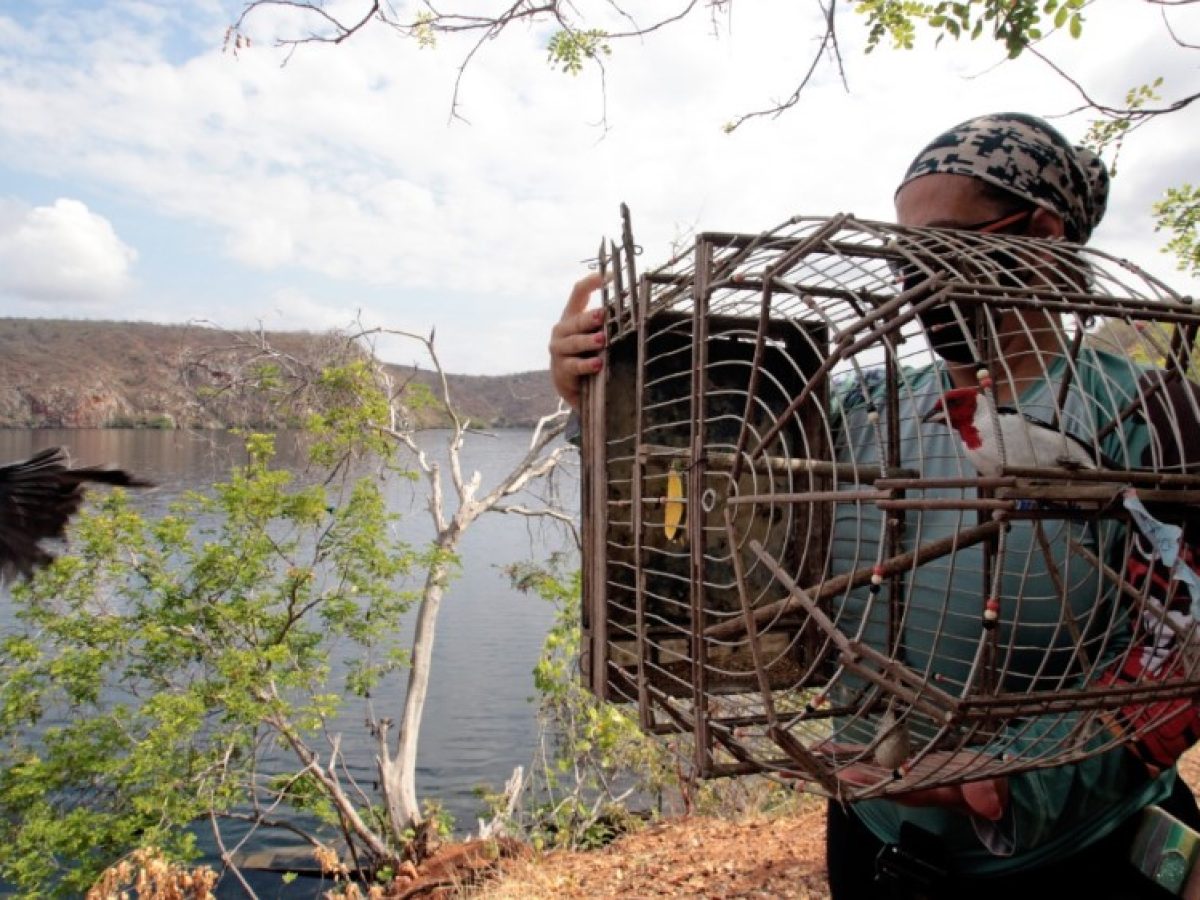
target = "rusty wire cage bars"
x: 784, y: 560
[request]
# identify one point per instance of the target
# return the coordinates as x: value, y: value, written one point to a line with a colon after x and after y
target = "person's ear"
x: 1045, y: 224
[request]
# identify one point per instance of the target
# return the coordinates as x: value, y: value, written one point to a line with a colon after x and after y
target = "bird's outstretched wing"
x: 37, y: 498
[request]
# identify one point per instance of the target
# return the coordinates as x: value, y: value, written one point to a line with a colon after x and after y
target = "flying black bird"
x: 37, y: 498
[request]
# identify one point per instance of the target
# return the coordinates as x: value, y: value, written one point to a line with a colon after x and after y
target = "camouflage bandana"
x: 1025, y: 156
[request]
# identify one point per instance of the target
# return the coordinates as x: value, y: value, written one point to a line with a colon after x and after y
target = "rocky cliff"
x: 91, y: 374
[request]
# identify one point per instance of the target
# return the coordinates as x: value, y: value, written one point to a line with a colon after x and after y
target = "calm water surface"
x: 479, y: 722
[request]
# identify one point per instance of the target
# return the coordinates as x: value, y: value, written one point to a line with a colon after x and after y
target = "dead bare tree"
x: 455, y: 500
x: 451, y: 517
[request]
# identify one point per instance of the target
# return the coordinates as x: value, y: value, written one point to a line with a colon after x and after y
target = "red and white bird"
x: 1027, y: 443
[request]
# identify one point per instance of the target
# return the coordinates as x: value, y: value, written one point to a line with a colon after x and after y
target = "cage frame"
x: 631, y: 303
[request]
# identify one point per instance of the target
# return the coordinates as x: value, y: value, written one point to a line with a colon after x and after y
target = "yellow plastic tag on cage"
x: 673, y: 511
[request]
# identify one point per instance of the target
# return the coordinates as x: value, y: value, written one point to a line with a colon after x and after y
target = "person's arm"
x: 1166, y: 729
x: 987, y: 799
x: 1045, y: 802
x: 1042, y: 801
x: 1017, y: 813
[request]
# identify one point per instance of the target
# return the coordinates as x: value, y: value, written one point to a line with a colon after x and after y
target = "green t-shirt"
x: 1054, y: 811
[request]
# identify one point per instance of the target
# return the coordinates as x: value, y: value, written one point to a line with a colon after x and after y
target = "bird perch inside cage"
x: 813, y: 548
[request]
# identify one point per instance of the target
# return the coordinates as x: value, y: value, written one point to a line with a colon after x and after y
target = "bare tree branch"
x: 828, y: 43
x: 555, y: 514
x: 341, y: 31
x: 332, y: 788
x: 1131, y: 113
x: 305, y: 386
x: 227, y: 857
x: 268, y: 822
x: 1170, y: 29
x: 433, y: 21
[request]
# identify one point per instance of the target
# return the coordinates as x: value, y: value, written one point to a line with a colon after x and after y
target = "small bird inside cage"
x: 893, y: 744
x: 994, y: 437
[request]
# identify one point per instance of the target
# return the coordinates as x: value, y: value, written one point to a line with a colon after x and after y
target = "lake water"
x: 479, y: 722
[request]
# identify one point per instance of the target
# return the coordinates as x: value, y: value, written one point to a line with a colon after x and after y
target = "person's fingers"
x: 575, y: 338
x: 577, y: 323
x: 589, y: 366
x: 987, y: 799
x: 576, y: 344
x: 569, y: 373
x: 950, y: 797
x: 581, y: 293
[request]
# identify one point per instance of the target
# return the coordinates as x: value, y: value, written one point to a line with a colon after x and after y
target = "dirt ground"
x: 693, y: 857
x: 755, y: 859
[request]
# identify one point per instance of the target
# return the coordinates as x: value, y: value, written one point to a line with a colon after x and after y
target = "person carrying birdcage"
x: 1035, y: 832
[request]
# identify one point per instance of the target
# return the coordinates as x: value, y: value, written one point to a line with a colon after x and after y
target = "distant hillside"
x: 494, y: 401
x: 86, y: 374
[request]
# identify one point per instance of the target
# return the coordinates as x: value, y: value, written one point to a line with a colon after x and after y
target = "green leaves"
x: 424, y: 30
x: 1109, y: 132
x: 1179, y: 213
x: 594, y: 745
x: 898, y: 19
x: 569, y: 50
x: 151, y: 661
x: 152, y: 671
x: 351, y: 408
x: 1014, y: 23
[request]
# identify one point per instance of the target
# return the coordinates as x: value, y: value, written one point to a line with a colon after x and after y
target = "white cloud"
x: 262, y: 242
x: 62, y: 253
x: 341, y: 164
x: 293, y: 310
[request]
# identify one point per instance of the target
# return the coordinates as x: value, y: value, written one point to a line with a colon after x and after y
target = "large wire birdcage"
x: 795, y: 550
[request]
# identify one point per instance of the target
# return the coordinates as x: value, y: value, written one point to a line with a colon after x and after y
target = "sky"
x: 149, y: 174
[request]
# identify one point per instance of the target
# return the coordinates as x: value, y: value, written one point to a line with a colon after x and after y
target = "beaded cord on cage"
x: 811, y: 547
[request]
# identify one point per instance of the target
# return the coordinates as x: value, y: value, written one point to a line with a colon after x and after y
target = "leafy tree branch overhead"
x: 579, y: 36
